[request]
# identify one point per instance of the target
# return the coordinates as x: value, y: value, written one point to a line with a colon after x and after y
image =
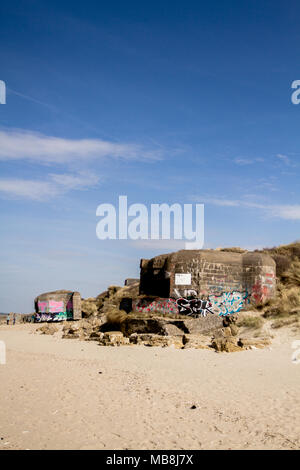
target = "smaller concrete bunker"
x: 58, y: 305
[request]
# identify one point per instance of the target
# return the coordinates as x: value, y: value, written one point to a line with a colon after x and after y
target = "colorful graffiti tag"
x: 54, y: 311
x: 262, y: 288
x: 159, y: 305
x: 228, y: 303
x: 222, y: 304
x: 61, y: 316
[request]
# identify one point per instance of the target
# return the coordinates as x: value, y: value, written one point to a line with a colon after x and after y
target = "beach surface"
x: 70, y: 394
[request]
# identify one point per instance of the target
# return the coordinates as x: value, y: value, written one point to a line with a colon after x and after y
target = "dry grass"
x: 291, y: 277
x: 284, y: 256
x: 116, y: 317
x: 287, y: 300
x: 291, y: 251
x: 286, y: 321
x: 251, y: 322
x: 233, y: 249
x: 89, y: 307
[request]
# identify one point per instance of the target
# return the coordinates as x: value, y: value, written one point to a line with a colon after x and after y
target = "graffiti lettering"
x: 194, y: 307
x: 42, y: 306
x: 52, y: 310
x: 228, y: 303
x: 49, y: 317
x: 55, y: 307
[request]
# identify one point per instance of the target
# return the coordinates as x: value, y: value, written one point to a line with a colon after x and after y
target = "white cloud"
x: 55, y: 185
x: 288, y: 212
x: 283, y: 158
x: 69, y: 181
x: 40, y: 148
x: 28, y: 189
x: 283, y: 211
x: 248, y: 161
x: 218, y: 201
x: 243, y: 161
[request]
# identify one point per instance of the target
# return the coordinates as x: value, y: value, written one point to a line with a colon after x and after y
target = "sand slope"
x: 53, y: 397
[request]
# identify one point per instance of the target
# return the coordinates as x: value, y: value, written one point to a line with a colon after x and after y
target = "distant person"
x: 8, y: 318
x: 14, y: 319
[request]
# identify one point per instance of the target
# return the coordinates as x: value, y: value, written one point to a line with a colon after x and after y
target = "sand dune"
x: 70, y: 394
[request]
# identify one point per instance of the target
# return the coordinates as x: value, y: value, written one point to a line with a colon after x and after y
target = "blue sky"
x: 160, y: 101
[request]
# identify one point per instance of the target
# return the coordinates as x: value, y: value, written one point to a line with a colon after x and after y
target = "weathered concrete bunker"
x: 58, y: 305
x: 228, y: 280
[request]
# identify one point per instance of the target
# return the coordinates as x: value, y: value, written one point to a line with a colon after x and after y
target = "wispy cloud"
x: 166, y: 245
x: 40, y: 148
x: 55, y: 185
x: 289, y: 212
x: 28, y: 189
x: 30, y: 98
x: 81, y: 180
x: 283, y: 211
x: 285, y: 159
x: 248, y: 161
x: 218, y: 201
x: 243, y: 161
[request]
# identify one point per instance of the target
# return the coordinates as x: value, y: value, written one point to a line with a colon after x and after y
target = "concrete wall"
x: 226, y: 279
x: 131, y: 281
x: 58, y: 305
x: 77, y: 315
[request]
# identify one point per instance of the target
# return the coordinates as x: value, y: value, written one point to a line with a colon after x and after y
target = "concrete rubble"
x: 222, y: 336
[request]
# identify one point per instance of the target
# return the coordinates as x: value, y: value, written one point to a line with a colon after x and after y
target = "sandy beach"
x: 71, y: 394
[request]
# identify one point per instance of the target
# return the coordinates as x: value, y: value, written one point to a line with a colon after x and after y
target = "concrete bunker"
x: 58, y: 306
x: 226, y: 280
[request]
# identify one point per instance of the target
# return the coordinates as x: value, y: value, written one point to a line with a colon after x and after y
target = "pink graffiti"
x: 56, y: 307
x: 42, y: 307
